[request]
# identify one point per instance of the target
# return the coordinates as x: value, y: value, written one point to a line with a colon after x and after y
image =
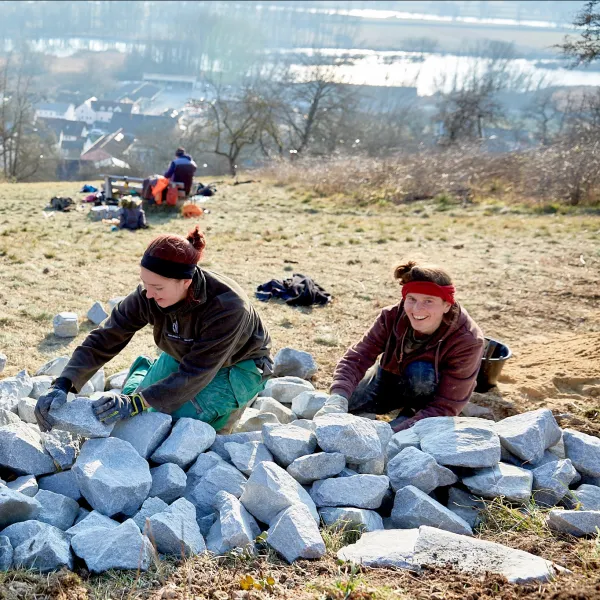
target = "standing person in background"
x: 182, y: 170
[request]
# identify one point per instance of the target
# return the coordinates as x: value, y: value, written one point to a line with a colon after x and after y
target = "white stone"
x: 218, y: 445
x: 93, y: 520
x: 414, y: 467
x: 117, y: 381
x: 253, y: 420
x: 307, y: 404
x: 285, y: 389
x: 270, y: 405
x: 114, y: 301
x: 78, y: 418
x: 65, y: 325
x: 97, y: 314
x: 551, y: 482
x: 16, y: 507
x: 575, y: 522
x: 41, y: 384
x: 312, y: 467
x: 287, y: 442
x: 584, y: 452
x: 25, y: 410
x: 26, y: 484
x: 246, y: 456
x: 145, y: 432
x: 63, y: 482
x: 21, y: 450
x: 150, y: 507
x: 53, y: 367
x: 513, y: 483
x: 588, y: 496
x: 62, y: 446
x: 295, y: 363
x: 6, y: 550
x: 3, y: 360
x: 7, y: 417
x: 360, y: 491
x: 188, y: 439
x: 47, y: 550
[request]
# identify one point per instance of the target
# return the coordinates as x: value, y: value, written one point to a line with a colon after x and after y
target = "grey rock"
x: 47, y: 550
x: 253, y: 420
x: 6, y: 551
x: 218, y: 445
x: 360, y: 491
x: 168, y: 482
x: 246, y: 456
x: 574, y: 522
x: 527, y: 435
x: 82, y: 513
x: 295, y: 363
x: 53, y: 367
x: 357, y: 439
x: 414, y: 467
x: 97, y: 314
x: 588, y: 497
x: 175, y: 531
x: 41, y: 384
x: 14, y: 388
x: 7, y: 417
x: 145, y: 432
x: 16, y: 507
x: 384, y: 431
x: 18, y: 533
x: 465, y: 506
x: 62, y: 446
x: 270, y: 405
x: 26, y: 484
x: 287, y: 442
x: 201, y: 466
x: 270, y: 490
x: 294, y: 535
x: 307, y: 404
x: 112, y: 476
x: 205, y: 523
x: 150, y: 507
x: 551, y: 482
x: 413, y: 508
x: 285, y: 389
x: 584, y: 452
x: 321, y: 465
x: 514, y: 483
x: 22, y: 451
x: 25, y: 410
x: 56, y: 509
x: 117, y: 381
x: 65, y: 325
x: 63, y: 482
x: 347, y: 472
x: 93, y: 520
x: 3, y: 360
x: 122, y: 547
x: 375, y: 466
x: 350, y: 518
x: 459, y: 441
x: 188, y: 438
x: 305, y: 424
x: 98, y: 381
x: 78, y: 418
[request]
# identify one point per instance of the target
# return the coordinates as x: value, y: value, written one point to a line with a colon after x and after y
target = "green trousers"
x: 231, y: 388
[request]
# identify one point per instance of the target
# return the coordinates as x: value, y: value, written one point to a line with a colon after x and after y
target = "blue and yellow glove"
x: 116, y: 407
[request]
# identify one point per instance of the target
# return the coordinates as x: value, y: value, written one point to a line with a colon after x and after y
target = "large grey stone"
x: 305, y: 424
x: 53, y: 367
x: 588, y: 496
x: 360, y: 491
x: 145, y: 432
x: 41, y: 384
x: 12, y: 389
x: 117, y: 381
x: 6, y: 551
x: 48, y: 550
x: 285, y: 389
x: 25, y: 410
x: 188, y: 438
x: 465, y: 506
x: 168, y: 482
x: 321, y: 465
x: 21, y: 450
x: 270, y: 490
x: 63, y: 482
x: 348, y: 517
x: 56, y: 509
x: 413, y: 508
x: 7, y: 417
x: 288, y: 442
x: 307, y: 404
x: 150, y: 507
x: 527, y: 435
x: 246, y: 456
x: 270, y: 405
x: 62, y: 446
x: 584, y: 452
x: 218, y: 445
x: 235, y: 527
x: 551, y: 482
x: 357, y: 439
x: 294, y: 535
x: 513, y: 483
x: 78, y: 417
x: 18, y: 533
x: 122, y: 547
x: 205, y: 462
x: 414, y: 467
x: 112, y: 476
x: 97, y: 314
x: 26, y: 484
x: 459, y: 441
x: 65, y: 325
x: 93, y: 520
x: 15, y: 507
x: 175, y: 531
x: 295, y: 363
x: 253, y: 420
x: 575, y: 522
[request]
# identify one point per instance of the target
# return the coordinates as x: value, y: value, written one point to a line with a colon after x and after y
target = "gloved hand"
x: 114, y: 407
x: 336, y: 403
x: 55, y: 397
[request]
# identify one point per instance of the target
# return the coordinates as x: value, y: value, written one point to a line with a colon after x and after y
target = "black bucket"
x: 495, y: 355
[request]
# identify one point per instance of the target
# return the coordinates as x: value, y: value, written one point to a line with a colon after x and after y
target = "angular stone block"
x: 46, y: 551
x: 295, y: 363
x: 168, y: 482
x: 188, y: 439
x: 21, y: 450
x: 584, y: 452
x: 514, y: 483
x: 150, y: 507
x: 307, y: 404
x: 285, y: 389
x: 77, y: 417
x: 313, y: 467
x: 53, y: 367
x: 411, y: 466
x: 287, y: 442
x: 574, y: 522
x: 145, y: 432
x: 65, y: 325
x: 26, y: 484
x: 246, y: 456
x: 16, y: 507
x: 56, y: 509
x: 93, y: 520
x: 360, y: 491
x: 97, y: 314
x: 350, y: 518
x: 64, y: 483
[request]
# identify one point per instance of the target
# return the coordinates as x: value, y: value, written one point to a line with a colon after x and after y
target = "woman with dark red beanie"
x: 430, y: 352
x: 215, y: 348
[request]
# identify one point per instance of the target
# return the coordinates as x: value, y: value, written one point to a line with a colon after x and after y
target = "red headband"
x: 445, y: 292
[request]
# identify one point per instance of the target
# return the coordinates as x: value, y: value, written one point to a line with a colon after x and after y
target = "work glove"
x: 54, y: 398
x: 336, y: 403
x: 115, y: 407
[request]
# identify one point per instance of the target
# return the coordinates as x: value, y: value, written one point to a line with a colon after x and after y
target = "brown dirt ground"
x: 529, y: 280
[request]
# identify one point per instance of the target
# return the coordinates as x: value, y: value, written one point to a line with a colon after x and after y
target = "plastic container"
x: 495, y: 355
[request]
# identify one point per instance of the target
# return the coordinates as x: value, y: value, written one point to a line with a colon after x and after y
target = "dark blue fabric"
x: 298, y: 290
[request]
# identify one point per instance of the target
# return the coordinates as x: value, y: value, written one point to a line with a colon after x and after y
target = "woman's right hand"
x: 55, y: 398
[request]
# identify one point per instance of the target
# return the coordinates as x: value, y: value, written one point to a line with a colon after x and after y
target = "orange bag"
x: 191, y: 210
x: 172, y: 195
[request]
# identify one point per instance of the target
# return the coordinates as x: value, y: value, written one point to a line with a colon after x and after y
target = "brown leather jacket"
x: 455, y: 350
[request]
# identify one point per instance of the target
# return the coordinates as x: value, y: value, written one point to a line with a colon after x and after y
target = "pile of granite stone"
x: 121, y: 496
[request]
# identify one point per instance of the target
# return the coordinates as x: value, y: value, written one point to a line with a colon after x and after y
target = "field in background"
x: 529, y: 279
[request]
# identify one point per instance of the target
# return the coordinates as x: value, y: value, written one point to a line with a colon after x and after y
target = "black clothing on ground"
x: 299, y: 290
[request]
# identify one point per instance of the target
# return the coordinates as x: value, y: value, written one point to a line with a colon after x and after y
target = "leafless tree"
x: 586, y: 48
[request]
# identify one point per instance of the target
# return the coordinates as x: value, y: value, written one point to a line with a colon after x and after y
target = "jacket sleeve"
x: 170, y: 171
x: 355, y: 362
x: 458, y: 377
x: 216, y: 342
x: 105, y: 342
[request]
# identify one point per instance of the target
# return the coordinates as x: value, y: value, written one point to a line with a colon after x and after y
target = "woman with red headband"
x: 430, y: 351
x: 215, y: 348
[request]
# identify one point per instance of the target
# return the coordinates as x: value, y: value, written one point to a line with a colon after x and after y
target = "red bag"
x: 172, y: 195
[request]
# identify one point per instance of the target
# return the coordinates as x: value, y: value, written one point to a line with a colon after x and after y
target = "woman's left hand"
x: 115, y: 407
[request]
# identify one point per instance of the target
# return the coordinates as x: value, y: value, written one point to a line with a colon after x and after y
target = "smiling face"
x: 424, y: 312
x: 164, y: 290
